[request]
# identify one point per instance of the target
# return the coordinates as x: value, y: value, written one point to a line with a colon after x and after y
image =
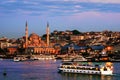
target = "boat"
x: 1, y: 59
x: 46, y: 57
x: 86, y: 68
x: 33, y: 57
x: 19, y: 58
x: 79, y: 58
x: 74, y: 58
x: 67, y: 59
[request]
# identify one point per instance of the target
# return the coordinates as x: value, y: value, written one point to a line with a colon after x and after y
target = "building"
x: 76, y: 37
x: 35, y: 45
x: 12, y: 50
x: 4, y: 43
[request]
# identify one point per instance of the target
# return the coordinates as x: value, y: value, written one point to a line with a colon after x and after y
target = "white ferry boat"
x: 71, y: 67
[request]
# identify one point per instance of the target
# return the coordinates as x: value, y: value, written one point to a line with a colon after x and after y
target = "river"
x: 46, y: 70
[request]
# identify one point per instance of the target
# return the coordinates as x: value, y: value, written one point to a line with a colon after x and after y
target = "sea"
x: 47, y: 70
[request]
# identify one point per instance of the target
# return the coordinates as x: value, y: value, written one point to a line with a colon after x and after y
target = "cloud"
x: 104, y: 1
x: 94, y: 1
x: 7, y: 1
x: 30, y: 2
x: 93, y: 20
x: 55, y: 7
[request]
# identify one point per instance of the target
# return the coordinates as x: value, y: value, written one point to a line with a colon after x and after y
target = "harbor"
x: 47, y: 70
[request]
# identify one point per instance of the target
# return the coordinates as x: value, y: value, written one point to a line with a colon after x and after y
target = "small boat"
x: 74, y: 59
x: 67, y: 59
x: 33, y: 58
x: 20, y: 58
x: 79, y: 58
x: 71, y: 67
x: 16, y: 59
x: 1, y: 59
x: 45, y: 57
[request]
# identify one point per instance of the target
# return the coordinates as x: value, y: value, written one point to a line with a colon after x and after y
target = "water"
x: 46, y: 70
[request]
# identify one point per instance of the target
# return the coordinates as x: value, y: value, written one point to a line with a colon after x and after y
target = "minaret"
x: 26, y: 35
x: 47, y: 32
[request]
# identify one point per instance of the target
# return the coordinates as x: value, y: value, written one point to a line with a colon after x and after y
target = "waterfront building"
x: 12, y: 50
x: 8, y: 45
x: 35, y: 45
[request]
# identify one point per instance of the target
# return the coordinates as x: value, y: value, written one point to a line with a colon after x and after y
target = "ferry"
x: 71, y: 67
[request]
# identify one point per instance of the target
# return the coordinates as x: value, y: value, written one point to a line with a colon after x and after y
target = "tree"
x: 76, y: 32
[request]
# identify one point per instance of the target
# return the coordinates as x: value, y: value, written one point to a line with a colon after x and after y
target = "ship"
x: 75, y: 58
x: 19, y: 58
x: 86, y: 68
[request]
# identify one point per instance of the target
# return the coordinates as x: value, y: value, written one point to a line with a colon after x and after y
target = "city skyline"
x: 83, y: 15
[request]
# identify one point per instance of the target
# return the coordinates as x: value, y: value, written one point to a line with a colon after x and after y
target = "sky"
x: 62, y: 15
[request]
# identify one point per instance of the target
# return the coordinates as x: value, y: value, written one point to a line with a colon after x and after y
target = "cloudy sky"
x: 83, y: 15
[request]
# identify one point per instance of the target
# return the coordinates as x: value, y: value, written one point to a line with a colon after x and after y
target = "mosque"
x: 35, y: 45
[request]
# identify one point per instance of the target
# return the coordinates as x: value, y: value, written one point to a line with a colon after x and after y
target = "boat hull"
x: 85, y: 71
x: 79, y: 71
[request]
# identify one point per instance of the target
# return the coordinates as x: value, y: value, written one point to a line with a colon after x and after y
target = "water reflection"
x: 104, y: 77
x: 47, y: 70
x: 72, y: 76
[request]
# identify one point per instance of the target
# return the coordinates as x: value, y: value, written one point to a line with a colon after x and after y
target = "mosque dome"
x: 34, y: 36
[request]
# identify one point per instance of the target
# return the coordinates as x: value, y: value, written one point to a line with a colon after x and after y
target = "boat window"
x: 105, y: 69
x: 67, y: 64
x: 83, y: 64
x: 88, y: 71
x: 97, y: 73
